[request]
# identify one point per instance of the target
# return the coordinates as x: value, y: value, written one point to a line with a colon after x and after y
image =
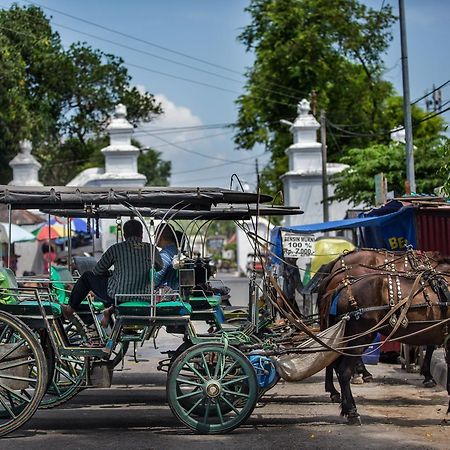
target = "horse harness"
x: 417, y: 265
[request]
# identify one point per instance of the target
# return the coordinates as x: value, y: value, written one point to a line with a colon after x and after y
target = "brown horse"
x: 370, y: 295
x: 359, y: 262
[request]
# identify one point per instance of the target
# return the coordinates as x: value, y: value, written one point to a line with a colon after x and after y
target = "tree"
x: 357, y: 183
x: 332, y: 47
x: 60, y: 99
x: 445, y: 168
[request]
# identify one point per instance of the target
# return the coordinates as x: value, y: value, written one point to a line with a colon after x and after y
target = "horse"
x: 370, y: 298
x: 360, y: 262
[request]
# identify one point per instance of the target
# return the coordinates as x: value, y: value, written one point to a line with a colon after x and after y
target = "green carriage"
x: 44, y: 360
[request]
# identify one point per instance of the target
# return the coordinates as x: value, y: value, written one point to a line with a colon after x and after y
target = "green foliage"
x: 154, y: 168
x: 62, y: 99
x: 357, y: 181
x: 332, y: 47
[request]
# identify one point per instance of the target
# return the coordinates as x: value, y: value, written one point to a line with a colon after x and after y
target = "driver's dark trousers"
x: 98, y: 284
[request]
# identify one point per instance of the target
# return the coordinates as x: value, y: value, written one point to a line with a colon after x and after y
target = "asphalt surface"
x: 397, y: 412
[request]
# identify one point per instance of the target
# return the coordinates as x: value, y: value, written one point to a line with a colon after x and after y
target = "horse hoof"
x: 429, y: 383
x: 335, y: 398
x: 354, y: 420
x: 368, y: 379
x: 357, y: 379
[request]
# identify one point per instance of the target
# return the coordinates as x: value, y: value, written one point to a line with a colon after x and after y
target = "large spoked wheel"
x: 23, y: 373
x: 119, y: 352
x: 69, y: 375
x: 212, y: 388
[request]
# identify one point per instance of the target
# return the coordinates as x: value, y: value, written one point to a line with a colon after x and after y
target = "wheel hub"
x: 213, y: 388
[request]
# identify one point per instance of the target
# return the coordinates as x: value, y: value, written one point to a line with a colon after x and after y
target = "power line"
x: 219, y: 165
x: 385, y: 133
x: 185, y: 55
x: 190, y: 128
x: 209, y: 136
x: 191, y: 151
x: 169, y: 60
x: 177, y: 77
x: 214, y: 178
x: 429, y: 93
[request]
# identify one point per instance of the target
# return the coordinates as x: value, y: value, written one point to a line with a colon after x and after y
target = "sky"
x: 199, y: 85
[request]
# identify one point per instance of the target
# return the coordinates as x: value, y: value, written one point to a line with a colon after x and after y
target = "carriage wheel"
x: 212, y: 388
x: 23, y: 373
x: 118, y: 353
x: 69, y: 375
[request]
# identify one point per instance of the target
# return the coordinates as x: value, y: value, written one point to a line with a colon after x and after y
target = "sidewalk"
x: 439, y: 367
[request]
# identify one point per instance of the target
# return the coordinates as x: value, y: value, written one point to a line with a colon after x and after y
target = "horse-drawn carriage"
x: 214, y: 378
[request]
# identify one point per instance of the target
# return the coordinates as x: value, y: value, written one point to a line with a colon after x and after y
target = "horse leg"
x: 329, y: 385
x: 425, y: 370
x: 344, y: 370
x: 357, y: 377
x: 367, y: 376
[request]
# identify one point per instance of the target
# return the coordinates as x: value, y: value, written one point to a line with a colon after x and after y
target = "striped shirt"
x: 167, y: 275
x: 132, y: 261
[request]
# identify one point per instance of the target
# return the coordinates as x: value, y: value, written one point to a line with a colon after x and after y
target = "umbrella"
x: 18, y: 234
x: 77, y: 224
x: 51, y: 231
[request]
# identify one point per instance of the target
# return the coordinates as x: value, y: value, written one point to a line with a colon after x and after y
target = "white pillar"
x: 303, y: 181
x: 25, y: 167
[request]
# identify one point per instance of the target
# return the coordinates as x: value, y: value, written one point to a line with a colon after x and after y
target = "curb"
x: 439, y: 368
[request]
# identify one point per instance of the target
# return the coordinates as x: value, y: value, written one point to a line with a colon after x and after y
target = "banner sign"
x: 296, y: 245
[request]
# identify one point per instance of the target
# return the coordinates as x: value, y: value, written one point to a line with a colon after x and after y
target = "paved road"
x: 397, y: 413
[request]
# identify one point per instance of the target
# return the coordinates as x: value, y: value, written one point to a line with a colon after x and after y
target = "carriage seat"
x: 200, y: 302
x: 10, y: 301
x: 61, y: 276
x: 166, y: 308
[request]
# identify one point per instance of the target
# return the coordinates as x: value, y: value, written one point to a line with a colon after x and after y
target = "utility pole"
x: 257, y: 174
x: 323, y: 139
x: 410, y: 177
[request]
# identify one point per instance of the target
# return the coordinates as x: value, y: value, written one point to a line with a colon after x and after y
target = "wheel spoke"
x: 193, y: 369
x: 238, y: 394
x: 208, y: 405
x: 12, y: 350
x: 56, y: 387
x: 5, y: 330
x: 206, y: 365
x: 235, y: 380
x: 14, y: 393
x: 65, y: 374
x: 194, y: 406
x: 189, y: 394
x: 193, y: 383
x: 230, y: 405
x: 5, y: 405
x: 228, y: 370
x: 17, y: 364
x: 15, y: 377
x: 219, y: 412
x: 218, y: 366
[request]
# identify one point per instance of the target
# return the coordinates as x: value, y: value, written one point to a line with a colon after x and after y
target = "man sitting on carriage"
x: 132, y: 260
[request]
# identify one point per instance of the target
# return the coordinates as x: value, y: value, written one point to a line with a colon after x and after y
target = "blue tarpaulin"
x: 391, y: 230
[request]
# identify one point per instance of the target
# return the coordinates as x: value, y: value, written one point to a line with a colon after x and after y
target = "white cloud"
x: 189, y: 168
x: 174, y: 116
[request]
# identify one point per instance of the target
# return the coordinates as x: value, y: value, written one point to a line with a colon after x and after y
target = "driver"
x: 132, y: 260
